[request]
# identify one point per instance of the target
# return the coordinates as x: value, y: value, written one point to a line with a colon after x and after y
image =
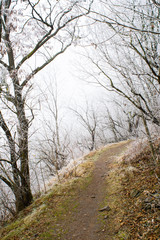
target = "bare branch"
x: 35, y: 71
x: 156, y: 3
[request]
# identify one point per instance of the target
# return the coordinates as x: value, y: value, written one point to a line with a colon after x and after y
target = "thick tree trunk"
x: 21, y: 185
x: 24, y: 196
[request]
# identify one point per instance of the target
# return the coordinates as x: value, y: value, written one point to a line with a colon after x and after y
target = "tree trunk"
x: 24, y: 196
x: 149, y: 139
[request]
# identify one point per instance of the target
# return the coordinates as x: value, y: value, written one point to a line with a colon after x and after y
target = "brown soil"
x: 87, y: 223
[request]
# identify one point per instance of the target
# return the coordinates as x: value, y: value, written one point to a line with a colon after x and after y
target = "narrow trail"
x: 86, y: 224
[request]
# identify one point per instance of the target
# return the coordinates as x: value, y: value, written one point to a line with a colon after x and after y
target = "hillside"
x: 113, y: 194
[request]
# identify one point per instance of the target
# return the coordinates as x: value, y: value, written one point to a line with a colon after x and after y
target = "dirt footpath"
x: 88, y: 223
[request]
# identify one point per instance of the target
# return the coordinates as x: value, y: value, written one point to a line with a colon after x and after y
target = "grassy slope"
x: 42, y: 219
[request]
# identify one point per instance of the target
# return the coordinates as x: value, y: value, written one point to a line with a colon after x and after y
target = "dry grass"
x: 41, y: 219
x: 114, y: 200
x: 131, y: 181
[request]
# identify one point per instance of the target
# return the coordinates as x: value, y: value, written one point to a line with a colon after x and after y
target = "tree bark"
x: 25, y: 197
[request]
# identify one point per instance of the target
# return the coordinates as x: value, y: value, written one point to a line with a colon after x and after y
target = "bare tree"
x: 55, y: 139
x: 124, y: 15
x: 28, y: 29
x: 127, y: 56
x: 89, y: 118
x: 127, y: 119
x: 119, y: 121
x: 129, y: 63
x: 7, y: 209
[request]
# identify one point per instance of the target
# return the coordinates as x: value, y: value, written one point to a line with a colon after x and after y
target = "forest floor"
x: 111, y: 195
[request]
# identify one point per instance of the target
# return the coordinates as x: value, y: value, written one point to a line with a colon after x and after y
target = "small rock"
x: 93, y: 196
x: 107, y: 208
x: 75, y: 235
x: 105, y: 217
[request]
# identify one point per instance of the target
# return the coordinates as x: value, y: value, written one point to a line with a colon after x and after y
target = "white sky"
x: 65, y: 70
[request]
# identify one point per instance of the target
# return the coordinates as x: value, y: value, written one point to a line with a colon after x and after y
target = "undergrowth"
x: 133, y: 194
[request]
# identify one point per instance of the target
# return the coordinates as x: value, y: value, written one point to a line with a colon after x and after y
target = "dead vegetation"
x: 134, y: 195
